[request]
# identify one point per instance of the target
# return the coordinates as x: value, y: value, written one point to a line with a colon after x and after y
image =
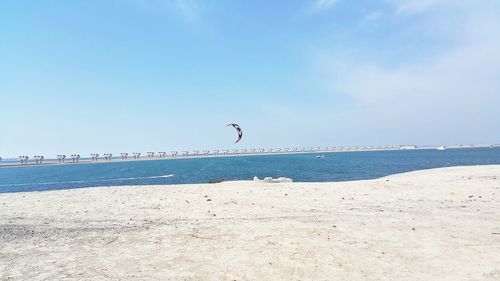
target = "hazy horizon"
x: 162, y: 75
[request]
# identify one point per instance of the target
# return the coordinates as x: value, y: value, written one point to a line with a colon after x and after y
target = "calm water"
x: 300, y: 167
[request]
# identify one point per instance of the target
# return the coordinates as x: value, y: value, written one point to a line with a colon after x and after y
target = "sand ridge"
x: 441, y: 224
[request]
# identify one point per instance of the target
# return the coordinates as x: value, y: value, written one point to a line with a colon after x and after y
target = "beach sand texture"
x: 441, y: 224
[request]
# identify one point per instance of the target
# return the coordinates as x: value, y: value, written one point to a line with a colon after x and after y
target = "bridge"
x: 38, y: 160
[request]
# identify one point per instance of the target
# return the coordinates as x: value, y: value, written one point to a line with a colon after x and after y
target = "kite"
x: 238, y: 129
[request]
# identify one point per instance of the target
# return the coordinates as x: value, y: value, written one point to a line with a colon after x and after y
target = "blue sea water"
x: 300, y: 167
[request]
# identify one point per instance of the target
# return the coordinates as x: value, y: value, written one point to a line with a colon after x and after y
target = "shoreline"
x: 423, y: 225
x: 249, y: 181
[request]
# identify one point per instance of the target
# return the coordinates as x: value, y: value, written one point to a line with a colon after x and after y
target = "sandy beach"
x: 441, y: 224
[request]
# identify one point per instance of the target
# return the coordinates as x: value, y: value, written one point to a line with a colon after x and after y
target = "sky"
x: 99, y: 76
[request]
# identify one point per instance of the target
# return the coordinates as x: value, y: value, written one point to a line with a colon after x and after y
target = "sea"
x: 334, y: 167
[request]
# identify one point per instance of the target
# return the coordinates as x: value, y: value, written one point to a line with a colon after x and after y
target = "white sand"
x: 439, y: 224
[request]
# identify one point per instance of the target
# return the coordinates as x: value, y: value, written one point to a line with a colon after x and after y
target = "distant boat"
x: 441, y: 148
x: 320, y: 156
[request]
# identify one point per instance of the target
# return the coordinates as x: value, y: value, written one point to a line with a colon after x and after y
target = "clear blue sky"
x: 141, y: 75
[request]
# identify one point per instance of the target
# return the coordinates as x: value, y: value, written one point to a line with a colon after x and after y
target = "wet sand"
x: 441, y: 224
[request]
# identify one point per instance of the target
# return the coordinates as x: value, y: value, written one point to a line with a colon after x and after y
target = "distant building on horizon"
x: 407, y: 147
